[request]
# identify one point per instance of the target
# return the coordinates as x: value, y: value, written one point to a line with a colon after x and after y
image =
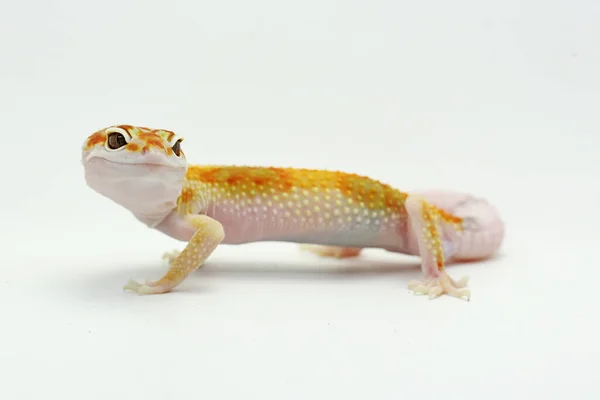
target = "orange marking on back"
x: 356, y: 189
x: 262, y: 178
x: 370, y: 192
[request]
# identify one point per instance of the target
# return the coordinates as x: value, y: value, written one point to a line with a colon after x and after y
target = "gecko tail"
x: 483, y: 229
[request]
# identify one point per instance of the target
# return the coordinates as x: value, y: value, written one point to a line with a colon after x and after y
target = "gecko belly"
x: 358, y: 238
x: 285, y: 225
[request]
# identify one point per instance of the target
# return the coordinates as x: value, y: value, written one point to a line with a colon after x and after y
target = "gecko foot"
x: 152, y: 287
x: 436, y: 286
x: 145, y: 288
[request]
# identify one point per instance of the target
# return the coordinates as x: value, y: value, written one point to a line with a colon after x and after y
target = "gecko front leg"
x: 207, y: 236
x: 425, y: 220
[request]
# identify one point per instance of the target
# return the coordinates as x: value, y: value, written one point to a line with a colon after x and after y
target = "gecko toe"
x: 170, y: 256
x: 147, y: 288
x: 131, y: 286
x: 442, y: 284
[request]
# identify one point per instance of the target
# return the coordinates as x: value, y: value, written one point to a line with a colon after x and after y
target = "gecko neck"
x: 156, y: 215
x: 150, y: 192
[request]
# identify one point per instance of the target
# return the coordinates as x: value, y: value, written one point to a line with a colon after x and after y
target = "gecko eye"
x: 116, y: 140
x: 177, y: 148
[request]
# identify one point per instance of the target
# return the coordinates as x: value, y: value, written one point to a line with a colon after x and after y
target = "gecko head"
x: 141, y: 169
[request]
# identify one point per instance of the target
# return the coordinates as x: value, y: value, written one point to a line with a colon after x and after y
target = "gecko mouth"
x: 95, y: 159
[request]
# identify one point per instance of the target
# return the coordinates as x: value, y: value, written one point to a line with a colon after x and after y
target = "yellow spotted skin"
x: 268, y: 203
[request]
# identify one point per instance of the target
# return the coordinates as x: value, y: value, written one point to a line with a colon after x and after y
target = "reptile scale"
x: 331, y: 213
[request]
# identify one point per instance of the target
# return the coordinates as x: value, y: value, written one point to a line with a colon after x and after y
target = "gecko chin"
x: 148, y: 190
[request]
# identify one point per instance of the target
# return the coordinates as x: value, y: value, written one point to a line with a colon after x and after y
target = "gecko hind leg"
x: 425, y: 220
x: 331, y: 251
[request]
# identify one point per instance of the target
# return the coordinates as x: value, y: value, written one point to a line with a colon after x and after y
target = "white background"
x: 496, y: 98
